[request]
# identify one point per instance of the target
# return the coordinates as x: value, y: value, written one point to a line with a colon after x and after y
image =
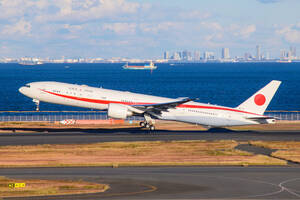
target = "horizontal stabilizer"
x: 263, y: 117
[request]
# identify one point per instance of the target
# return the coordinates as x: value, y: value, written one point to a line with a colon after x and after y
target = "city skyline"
x: 144, y: 29
x: 286, y: 55
x: 259, y: 55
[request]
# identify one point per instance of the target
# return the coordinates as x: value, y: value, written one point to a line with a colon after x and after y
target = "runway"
x: 110, y: 135
x: 176, y: 182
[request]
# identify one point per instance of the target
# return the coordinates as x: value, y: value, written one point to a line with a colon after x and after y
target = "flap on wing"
x: 172, y: 104
x: 159, y: 106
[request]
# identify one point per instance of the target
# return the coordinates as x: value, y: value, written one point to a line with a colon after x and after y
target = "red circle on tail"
x: 259, y: 99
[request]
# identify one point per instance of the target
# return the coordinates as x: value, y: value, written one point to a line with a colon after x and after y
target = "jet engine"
x: 118, y: 111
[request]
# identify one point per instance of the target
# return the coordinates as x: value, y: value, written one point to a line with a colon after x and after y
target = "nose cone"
x: 24, y: 90
x: 21, y: 90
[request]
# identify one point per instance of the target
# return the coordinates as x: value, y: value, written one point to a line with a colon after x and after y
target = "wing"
x: 158, y: 108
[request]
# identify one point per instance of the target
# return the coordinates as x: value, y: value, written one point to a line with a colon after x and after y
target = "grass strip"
x: 158, y: 153
x: 287, y: 150
x: 34, y: 187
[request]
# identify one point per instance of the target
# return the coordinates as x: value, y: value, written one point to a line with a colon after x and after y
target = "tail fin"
x: 259, y: 102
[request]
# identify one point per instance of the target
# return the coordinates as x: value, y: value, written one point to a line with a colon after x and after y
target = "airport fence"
x: 284, y: 115
x: 52, y: 116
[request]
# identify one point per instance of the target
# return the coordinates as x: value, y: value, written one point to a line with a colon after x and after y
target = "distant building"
x: 283, y: 54
x: 289, y: 55
x: 267, y: 56
x: 225, y: 53
x: 258, y: 54
x: 166, y: 55
x: 247, y: 56
x: 197, y: 55
x: 189, y: 56
x: 180, y: 55
x: 186, y: 55
x: 293, y: 52
x: 208, y: 55
x: 176, y: 56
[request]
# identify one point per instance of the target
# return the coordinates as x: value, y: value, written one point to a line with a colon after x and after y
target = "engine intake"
x: 118, y: 111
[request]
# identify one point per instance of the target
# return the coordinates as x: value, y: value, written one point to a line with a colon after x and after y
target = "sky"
x: 145, y: 28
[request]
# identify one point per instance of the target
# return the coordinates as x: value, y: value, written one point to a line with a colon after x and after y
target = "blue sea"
x: 227, y: 84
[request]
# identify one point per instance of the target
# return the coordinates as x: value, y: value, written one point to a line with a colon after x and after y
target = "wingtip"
x: 276, y: 81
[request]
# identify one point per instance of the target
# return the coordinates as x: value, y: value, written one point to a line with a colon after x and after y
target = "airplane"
x: 123, y: 104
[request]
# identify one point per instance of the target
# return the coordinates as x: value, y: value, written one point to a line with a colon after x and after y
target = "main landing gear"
x: 148, y: 123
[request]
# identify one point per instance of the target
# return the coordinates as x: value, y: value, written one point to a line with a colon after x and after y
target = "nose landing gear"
x: 37, y: 103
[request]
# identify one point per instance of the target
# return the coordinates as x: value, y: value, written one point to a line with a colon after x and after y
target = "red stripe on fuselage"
x: 129, y: 103
x: 93, y: 100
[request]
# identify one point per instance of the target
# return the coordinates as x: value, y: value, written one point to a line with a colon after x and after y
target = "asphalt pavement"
x: 164, y: 182
x: 175, y: 182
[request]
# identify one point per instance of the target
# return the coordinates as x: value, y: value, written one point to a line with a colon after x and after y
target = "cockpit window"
x: 27, y: 85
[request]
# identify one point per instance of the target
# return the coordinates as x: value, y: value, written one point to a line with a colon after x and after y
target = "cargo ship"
x: 150, y: 66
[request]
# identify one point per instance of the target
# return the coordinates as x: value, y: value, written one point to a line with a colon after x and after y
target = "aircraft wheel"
x: 147, y: 125
x: 152, y: 128
x: 142, y: 124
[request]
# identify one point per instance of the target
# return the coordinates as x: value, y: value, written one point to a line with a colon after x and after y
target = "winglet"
x: 259, y: 102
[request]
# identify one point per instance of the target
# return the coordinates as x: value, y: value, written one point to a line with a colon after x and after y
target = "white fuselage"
x: 99, y: 98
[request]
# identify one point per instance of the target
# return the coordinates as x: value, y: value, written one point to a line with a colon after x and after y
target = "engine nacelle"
x: 118, y: 111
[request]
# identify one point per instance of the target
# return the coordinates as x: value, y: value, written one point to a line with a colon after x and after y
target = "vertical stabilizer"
x: 259, y: 102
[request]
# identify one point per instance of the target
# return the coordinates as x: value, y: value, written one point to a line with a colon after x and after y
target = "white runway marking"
x: 256, y: 181
x: 287, y: 189
x: 280, y: 186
